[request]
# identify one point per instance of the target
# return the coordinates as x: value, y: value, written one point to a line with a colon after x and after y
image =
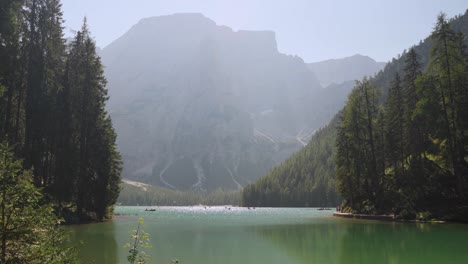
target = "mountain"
x: 198, y: 106
x: 346, y: 69
x: 308, y: 177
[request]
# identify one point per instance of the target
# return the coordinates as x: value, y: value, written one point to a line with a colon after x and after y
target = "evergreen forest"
x: 398, y: 146
x: 408, y: 153
x: 52, y: 110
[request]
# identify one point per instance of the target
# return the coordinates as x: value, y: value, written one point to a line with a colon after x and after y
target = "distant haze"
x: 345, y: 69
x: 199, y: 106
x: 313, y: 30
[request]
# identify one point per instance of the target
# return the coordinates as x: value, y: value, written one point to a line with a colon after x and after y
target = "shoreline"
x: 386, y: 218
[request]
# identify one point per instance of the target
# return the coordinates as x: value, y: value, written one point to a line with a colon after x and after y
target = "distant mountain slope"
x: 200, y: 106
x: 305, y: 179
x: 296, y: 181
x: 138, y: 193
x: 345, y: 69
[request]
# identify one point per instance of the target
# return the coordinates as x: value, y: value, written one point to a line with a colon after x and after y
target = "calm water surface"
x: 215, y: 235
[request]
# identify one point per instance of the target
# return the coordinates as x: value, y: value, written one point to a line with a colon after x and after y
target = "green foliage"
x: 140, y: 240
x: 52, y: 101
x: 90, y: 161
x: 305, y: 179
x: 2, y: 90
x: 392, y: 150
x: 359, y: 169
x: 394, y: 127
x: 411, y: 156
x: 30, y: 231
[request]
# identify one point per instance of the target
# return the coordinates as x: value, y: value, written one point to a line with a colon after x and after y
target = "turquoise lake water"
x: 216, y: 235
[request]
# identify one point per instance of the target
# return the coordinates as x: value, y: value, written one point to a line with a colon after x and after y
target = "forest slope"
x: 314, y: 165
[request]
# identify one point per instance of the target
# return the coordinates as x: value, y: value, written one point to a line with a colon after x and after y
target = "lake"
x: 216, y: 235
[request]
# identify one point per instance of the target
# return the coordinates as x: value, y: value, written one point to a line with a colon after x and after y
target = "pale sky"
x: 314, y: 30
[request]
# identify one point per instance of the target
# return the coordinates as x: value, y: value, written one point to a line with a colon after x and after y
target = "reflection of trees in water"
x: 404, y: 243
x: 197, y: 244
x: 374, y: 243
x: 309, y: 244
x: 96, y: 243
x: 348, y: 242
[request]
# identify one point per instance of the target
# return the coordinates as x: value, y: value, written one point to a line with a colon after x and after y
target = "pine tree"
x: 370, y: 101
x: 449, y: 70
x: 395, y: 127
x: 10, y: 30
x: 52, y: 102
x: 98, y: 161
x: 44, y: 71
x: 346, y: 175
x: 423, y: 124
x: 412, y: 140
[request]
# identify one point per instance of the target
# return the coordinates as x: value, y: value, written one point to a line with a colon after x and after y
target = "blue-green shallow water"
x: 196, y: 235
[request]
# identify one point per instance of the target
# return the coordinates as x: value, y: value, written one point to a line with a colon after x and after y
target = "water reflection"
x: 282, y: 236
x: 347, y: 242
x: 306, y: 243
x: 96, y: 244
x: 212, y: 244
x: 404, y: 243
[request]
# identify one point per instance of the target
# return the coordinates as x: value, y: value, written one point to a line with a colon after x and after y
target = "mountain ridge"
x: 345, y: 69
x: 196, y: 105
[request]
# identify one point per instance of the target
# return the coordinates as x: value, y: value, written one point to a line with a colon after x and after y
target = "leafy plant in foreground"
x: 29, y: 229
x: 140, y: 240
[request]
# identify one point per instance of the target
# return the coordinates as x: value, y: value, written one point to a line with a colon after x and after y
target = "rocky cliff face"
x: 200, y: 106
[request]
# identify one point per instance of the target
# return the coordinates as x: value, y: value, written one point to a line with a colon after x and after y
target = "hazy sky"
x: 312, y: 29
